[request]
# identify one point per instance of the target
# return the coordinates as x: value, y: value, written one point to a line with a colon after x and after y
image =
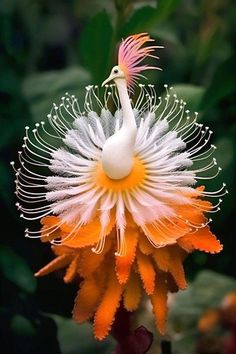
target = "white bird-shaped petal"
x: 118, y: 150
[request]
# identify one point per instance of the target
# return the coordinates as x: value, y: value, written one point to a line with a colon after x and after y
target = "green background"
x: 50, y: 47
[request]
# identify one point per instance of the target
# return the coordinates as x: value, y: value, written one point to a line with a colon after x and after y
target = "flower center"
x: 134, y: 179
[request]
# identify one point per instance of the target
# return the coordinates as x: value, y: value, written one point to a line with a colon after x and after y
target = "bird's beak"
x: 111, y: 77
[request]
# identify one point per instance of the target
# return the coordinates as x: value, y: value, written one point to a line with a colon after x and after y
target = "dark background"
x: 50, y: 47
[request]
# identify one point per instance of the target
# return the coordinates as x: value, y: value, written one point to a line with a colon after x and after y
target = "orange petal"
x: 162, y: 258
x: 170, y: 259
x: 57, y: 263
x: 105, y: 314
x: 90, y: 262
x: 159, y: 235
x: 209, y: 320
x: 71, y: 270
x: 192, y: 214
x: 145, y: 245
x: 159, y: 303
x: 88, y: 234
x: 49, y: 221
x: 154, y: 234
x: 132, y: 293
x: 195, y: 193
x: 176, y: 266
x: 202, y: 240
x: 50, y: 237
x: 200, y: 188
x: 123, y: 264
x: 86, y: 300
x: 146, y: 271
x: 60, y: 250
x: 205, y: 205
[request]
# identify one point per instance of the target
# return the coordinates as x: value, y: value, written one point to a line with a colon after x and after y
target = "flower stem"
x: 121, y: 327
x: 165, y: 347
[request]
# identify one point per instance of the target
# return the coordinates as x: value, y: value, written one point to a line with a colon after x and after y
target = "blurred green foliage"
x: 50, y: 47
x: 206, y: 292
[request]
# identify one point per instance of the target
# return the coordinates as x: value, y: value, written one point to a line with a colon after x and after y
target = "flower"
x: 126, y: 236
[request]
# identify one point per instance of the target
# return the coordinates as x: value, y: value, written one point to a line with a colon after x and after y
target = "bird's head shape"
x: 116, y: 73
x: 132, y: 51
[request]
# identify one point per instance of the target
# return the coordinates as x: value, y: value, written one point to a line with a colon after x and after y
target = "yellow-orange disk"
x: 134, y: 179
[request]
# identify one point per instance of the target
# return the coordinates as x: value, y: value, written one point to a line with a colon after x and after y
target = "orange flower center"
x: 134, y: 179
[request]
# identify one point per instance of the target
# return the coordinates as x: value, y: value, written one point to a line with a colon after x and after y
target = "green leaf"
x: 7, y: 6
x: 224, y: 152
x: 191, y: 94
x: 22, y: 327
x: 15, y: 269
x: 224, y: 155
x: 146, y: 17
x: 207, y: 291
x: 140, y: 21
x: 74, y: 338
x: 185, y: 344
x: 95, y: 46
x: 168, y: 36
x: 41, y: 90
x: 222, y: 84
x: 165, y: 8
x: 9, y: 79
x: 13, y: 112
x: 4, y: 185
x: 210, y: 287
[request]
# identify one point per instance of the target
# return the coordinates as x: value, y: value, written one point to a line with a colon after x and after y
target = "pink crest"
x: 131, y: 54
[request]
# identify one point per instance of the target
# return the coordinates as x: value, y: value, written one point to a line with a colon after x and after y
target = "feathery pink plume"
x: 131, y: 53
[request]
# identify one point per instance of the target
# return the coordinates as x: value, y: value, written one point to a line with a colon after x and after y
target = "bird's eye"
x: 115, y: 71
